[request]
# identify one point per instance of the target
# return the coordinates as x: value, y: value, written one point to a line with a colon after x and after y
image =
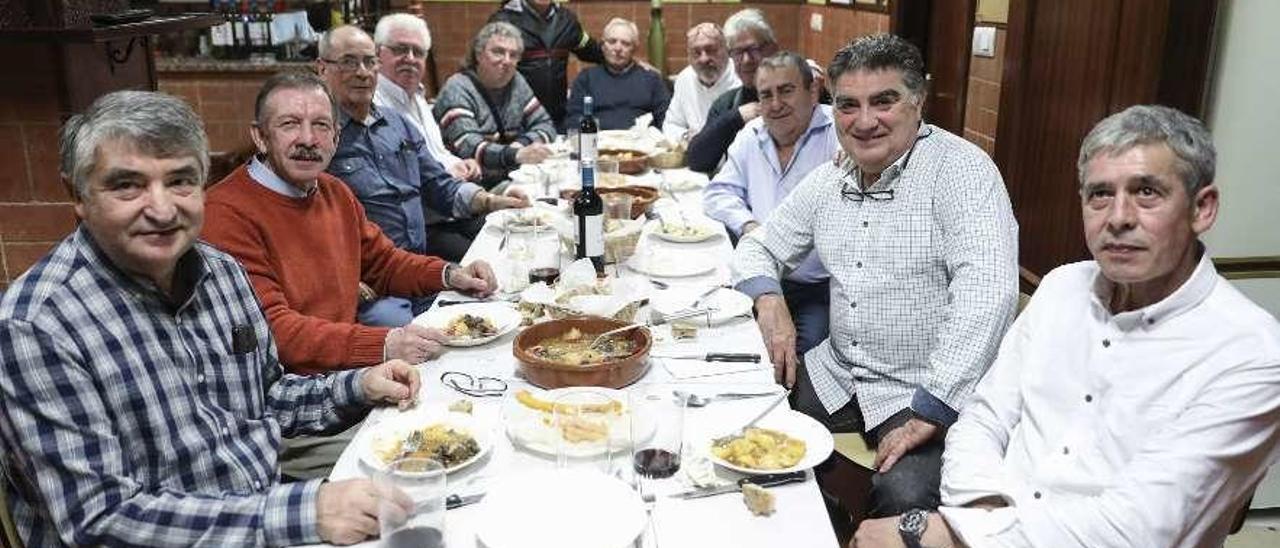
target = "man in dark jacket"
x: 551, y: 32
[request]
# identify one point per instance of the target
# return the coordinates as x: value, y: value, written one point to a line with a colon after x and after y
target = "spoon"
x: 695, y: 400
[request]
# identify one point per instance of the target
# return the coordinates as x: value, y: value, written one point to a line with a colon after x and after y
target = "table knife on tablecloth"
x: 714, y: 357
x: 767, y: 480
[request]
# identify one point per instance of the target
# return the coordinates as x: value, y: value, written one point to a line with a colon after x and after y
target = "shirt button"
x: 864, y: 224
x: 1036, y: 495
x: 854, y: 343
x: 853, y: 305
x: 858, y: 264
x: 257, y: 485
x: 1106, y: 343
x: 226, y: 431
x: 1088, y: 398
x: 200, y: 378
x: 1066, y: 451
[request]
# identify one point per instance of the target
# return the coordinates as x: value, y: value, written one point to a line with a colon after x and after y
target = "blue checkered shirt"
x: 126, y: 420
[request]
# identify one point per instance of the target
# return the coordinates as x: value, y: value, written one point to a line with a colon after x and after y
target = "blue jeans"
x: 392, y: 311
x: 809, y: 304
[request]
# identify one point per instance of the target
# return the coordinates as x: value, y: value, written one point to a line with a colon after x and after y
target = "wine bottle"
x: 657, y: 39
x: 588, y: 207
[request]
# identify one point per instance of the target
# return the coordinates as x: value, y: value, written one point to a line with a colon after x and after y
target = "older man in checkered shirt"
x: 916, y: 230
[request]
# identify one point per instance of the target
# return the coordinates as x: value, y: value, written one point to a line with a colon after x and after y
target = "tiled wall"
x: 35, y: 208
x: 983, y: 103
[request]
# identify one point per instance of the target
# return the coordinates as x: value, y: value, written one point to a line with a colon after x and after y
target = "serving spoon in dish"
x: 654, y: 321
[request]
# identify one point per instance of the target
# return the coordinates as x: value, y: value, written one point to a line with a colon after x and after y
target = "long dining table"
x: 800, y: 519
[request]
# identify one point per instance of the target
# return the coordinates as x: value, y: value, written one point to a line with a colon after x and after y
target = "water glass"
x: 607, y: 173
x: 411, y: 500
x: 586, y: 424
x: 657, y: 431
x: 617, y: 205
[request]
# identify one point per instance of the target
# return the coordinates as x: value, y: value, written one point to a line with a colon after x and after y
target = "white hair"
x: 406, y: 21
x: 748, y: 20
x: 620, y: 22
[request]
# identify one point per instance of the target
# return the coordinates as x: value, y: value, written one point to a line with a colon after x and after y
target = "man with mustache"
x: 918, y: 236
x: 621, y: 88
x: 1136, y: 400
x: 793, y: 135
x: 403, y: 41
x: 143, y: 402
x: 307, y: 245
x: 388, y: 165
x: 709, y: 75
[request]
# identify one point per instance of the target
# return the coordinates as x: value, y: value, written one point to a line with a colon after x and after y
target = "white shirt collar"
x: 262, y: 173
x: 1187, y: 296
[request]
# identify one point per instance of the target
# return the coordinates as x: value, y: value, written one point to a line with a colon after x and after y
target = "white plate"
x: 534, y: 430
x: 680, y: 180
x: 397, y: 427
x: 521, y: 220
x: 817, y: 441
x: 504, y: 316
x: 560, y: 509
x: 727, y: 303
x: 668, y: 263
x: 707, y: 231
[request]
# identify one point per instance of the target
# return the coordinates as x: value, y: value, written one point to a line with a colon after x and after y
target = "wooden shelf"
x: 157, y: 24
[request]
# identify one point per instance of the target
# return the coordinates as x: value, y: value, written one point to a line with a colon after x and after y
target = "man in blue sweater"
x: 622, y: 89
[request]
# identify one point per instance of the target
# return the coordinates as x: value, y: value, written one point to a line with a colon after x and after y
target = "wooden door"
x: 943, y: 30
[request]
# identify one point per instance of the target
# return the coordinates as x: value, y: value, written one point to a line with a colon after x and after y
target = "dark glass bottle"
x: 588, y: 208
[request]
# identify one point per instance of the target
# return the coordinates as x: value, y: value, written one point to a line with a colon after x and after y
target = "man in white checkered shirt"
x: 916, y: 229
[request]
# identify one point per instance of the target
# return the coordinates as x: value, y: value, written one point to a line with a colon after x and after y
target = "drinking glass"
x: 657, y: 431
x: 617, y: 205
x: 544, y: 265
x: 411, y: 496
x: 571, y: 135
x: 586, y: 422
x: 607, y: 173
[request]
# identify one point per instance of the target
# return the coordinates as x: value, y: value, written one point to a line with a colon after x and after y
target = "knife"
x: 767, y: 480
x: 715, y: 357
x: 704, y: 296
x: 458, y: 501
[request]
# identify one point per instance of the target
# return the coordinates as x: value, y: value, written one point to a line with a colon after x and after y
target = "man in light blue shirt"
x: 769, y: 157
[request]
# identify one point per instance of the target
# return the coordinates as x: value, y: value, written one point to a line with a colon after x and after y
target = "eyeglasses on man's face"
x: 352, y: 63
x: 754, y: 51
x: 401, y: 50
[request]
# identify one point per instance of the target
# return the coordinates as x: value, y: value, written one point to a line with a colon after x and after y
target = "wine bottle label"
x: 588, y: 177
x: 587, y: 146
x: 593, y: 234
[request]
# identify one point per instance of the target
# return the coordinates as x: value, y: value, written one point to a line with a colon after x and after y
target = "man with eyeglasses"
x: 403, y: 41
x: 768, y: 158
x: 917, y: 233
x: 549, y: 32
x: 750, y: 39
x: 388, y: 165
x: 709, y: 75
x: 621, y: 88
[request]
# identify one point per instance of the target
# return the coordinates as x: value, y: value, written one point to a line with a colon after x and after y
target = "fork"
x: 410, y: 446
x: 726, y: 438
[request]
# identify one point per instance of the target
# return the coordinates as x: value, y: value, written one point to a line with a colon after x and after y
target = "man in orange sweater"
x: 306, y: 243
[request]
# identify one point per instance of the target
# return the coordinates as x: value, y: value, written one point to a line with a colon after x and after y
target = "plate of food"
x: 780, y: 443
x: 454, y: 439
x: 531, y: 422
x: 526, y: 219
x: 472, y: 324
x: 682, y: 232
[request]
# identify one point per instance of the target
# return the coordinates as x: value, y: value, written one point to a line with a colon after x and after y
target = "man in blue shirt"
x: 621, y: 88
x: 141, y: 398
x: 768, y: 158
x: 386, y: 162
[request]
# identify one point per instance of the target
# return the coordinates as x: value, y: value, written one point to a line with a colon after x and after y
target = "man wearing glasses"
x: 917, y: 233
x: 793, y: 135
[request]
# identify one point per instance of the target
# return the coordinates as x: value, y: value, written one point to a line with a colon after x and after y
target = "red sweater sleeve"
x: 390, y: 270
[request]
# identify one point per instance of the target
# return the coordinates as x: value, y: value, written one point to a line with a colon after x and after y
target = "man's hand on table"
x: 533, y: 153
x: 883, y: 533
x: 912, y: 434
x: 414, y: 343
x: 394, y: 381
x: 475, y: 279
x: 347, y: 511
x: 779, y: 334
x: 467, y: 170
x: 514, y: 198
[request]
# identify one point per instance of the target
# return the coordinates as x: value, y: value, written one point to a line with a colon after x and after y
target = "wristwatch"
x: 445, y: 276
x: 911, y: 525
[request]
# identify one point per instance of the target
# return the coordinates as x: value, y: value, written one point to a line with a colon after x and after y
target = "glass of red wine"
x: 657, y: 431
x: 545, y: 263
x: 411, y: 501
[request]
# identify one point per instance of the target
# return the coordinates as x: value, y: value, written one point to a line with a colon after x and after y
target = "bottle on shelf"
x: 220, y: 34
x: 657, y: 39
x: 588, y: 208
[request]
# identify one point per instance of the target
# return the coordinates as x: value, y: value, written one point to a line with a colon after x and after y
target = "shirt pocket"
x: 360, y: 175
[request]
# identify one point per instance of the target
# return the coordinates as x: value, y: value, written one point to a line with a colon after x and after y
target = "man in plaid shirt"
x: 141, y: 400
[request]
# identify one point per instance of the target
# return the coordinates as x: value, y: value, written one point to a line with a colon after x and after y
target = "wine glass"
x: 411, y: 499
x: 657, y: 431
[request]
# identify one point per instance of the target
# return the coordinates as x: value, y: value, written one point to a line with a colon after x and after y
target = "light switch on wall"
x: 815, y: 22
x: 984, y: 41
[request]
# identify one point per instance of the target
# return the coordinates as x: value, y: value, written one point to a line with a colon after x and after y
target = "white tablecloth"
x: 801, y: 518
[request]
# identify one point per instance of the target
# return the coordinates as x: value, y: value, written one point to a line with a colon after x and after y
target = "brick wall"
x: 224, y: 100
x: 983, y: 99
x: 35, y: 208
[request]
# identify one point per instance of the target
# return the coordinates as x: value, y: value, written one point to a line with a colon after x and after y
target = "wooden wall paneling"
x: 942, y: 30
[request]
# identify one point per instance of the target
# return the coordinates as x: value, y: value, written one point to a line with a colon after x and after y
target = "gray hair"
x: 1186, y: 137
x: 620, y: 22
x: 880, y: 52
x: 709, y: 29
x: 748, y: 20
x: 158, y: 124
x: 288, y: 80
x: 404, y: 21
x: 496, y: 28
x: 788, y: 59
x: 326, y: 39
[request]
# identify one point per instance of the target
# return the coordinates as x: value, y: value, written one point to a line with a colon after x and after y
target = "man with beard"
x: 769, y: 158
x: 917, y: 233
x: 621, y: 88
x: 549, y: 33
x: 709, y: 75
x: 304, y: 239
x: 403, y: 41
